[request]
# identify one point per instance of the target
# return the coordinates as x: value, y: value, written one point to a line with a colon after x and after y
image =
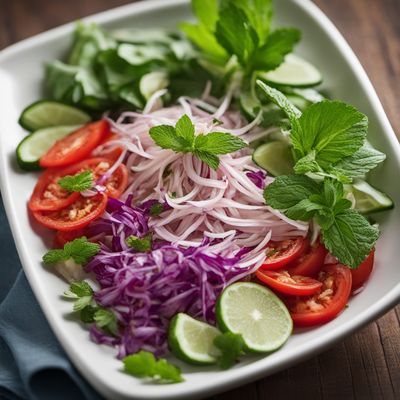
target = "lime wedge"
x: 275, y: 157
x: 368, y: 199
x: 295, y: 72
x: 46, y: 113
x: 257, y: 314
x: 192, y: 340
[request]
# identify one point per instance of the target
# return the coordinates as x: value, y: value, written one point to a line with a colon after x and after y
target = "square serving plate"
x: 21, y: 79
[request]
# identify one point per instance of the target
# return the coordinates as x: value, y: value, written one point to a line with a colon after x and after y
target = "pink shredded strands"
x: 213, y: 230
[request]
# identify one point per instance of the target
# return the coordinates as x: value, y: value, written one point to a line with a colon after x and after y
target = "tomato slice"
x: 325, y: 305
x: 284, y: 282
x: 48, y: 195
x: 282, y: 253
x: 64, y: 237
x: 363, y: 271
x: 310, y: 263
x: 75, y: 147
x: 75, y: 216
x: 115, y: 184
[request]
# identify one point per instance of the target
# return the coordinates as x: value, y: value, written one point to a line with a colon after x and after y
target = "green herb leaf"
x: 82, y: 302
x: 81, y: 289
x: 166, y: 137
x: 87, y: 314
x: 185, y: 129
x: 54, y: 256
x: 350, y: 238
x: 156, y: 209
x: 81, y: 250
x: 231, y: 346
x: 279, y: 43
x: 219, y: 143
x: 106, y: 320
x: 78, y: 182
x: 206, y: 12
x: 139, y: 244
x: 144, y: 365
x: 210, y: 159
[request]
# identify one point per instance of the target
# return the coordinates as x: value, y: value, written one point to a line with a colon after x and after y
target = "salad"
x: 204, y: 197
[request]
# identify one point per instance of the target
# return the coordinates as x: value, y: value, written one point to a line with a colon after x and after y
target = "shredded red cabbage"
x: 146, y: 289
x: 258, y: 178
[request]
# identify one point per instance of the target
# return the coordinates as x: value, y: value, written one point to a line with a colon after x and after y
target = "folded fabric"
x: 32, y: 363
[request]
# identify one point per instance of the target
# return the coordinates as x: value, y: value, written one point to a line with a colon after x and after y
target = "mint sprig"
x: 78, y: 182
x: 207, y: 148
x: 139, y: 244
x: 231, y: 346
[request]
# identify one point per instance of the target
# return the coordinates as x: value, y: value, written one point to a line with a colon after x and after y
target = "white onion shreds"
x: 153, y: 100
x: 224, y: 105
x: 207, y: 90
x: 186, y: 106
x: 246, y: 128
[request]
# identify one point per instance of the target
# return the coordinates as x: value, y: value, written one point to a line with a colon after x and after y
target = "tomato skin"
x: 62, y: 220
x: 336, y: 277
x: 48, y: 195
x: 310, y: 263
x: 285, y: 252
x: 363, y: 271
x: 75, y: 147
x: 282, y: 282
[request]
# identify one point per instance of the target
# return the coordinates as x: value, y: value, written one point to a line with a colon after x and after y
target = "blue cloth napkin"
x: 32, y: 363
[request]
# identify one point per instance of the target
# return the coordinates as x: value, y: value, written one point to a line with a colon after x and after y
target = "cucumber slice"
x: 192, y: 340
x: 275, y: 157
x: 257, y: 314
x: 368, y: 199
x: 31, y: 148
x: 46, y: 113
x: 295, y: 72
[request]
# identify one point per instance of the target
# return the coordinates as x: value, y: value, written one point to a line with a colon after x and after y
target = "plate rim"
x: 256, y: 369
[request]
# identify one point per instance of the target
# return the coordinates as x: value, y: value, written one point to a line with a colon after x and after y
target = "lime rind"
x: 275, y: 157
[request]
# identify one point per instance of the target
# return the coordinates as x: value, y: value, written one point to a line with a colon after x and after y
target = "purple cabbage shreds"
x: 258, y: 178
x: 145, y: 290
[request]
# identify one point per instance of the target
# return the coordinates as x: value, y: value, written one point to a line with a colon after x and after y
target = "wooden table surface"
x: 366, y: 365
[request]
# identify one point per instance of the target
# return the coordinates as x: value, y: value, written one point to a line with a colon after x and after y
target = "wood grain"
x: 365, y: 366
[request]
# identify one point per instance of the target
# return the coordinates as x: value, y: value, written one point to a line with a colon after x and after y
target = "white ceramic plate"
x: 21, y: 78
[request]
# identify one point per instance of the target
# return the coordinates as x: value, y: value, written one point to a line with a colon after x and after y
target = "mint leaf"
x: 139, y: 244
x: 78, y: 182
x: 350, y: 238
x: 81, y: 250
x: 304, y: 210
x: 106, y: 320
x: 144, y: 365
x: 332, y: 129
x: 210, y: 159
x: 231, y: 346
x: 307, y: 164
x: 165, y: 136
x: 288, y: 190
x: 185, y: 128
x: 54, y: 256
x: 358, y: 164
x: 235, y: 33
x: 281, y: 101
x: 219, y: 143
x: 278, y: 44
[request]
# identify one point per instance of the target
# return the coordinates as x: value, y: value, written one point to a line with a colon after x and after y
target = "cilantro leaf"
x: 235, y: 33
x: 81, y: 289
x: 87, y: 314
x: 54, y: 256
x: 165, y: 136
x: 350, y: 238
x: 231, y: 346
x: 144, y: 365
x: 139, y: 244
x: 288, y: 190
x: 333, y: 129
x: 106, y: 320
x: 82, y: 302
x: 78, y: 182
x: 278, y: 44
x: 219, y: 143
x: 81, y: 250
x: 156, y: 209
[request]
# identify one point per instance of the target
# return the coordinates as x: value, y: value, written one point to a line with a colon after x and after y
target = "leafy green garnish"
x: 345, y: 232
x: 182, y: 138
x: 156, y: 209
x: 80, y: 250
x: 139, y: 244
x: 106, y: 320
x: 144, y: 365
x: 231, y: 346
x: 78, y: 182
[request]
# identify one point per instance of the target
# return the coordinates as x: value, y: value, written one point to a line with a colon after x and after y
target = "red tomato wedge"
x: 115, y: 184
x: 282, y: 253
x: 75, y: 216
x: 48, y: 195
x: 285, y: 283
x: 310, y: 263
x: 363, y: 271
x: 75, y: 147
x: 325, y: 305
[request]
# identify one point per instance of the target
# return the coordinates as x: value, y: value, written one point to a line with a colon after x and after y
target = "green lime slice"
x: 32, y: 147
x: 295, y: 72
x: 275, y: 157
x: 192, y: 340
x: 257, y: 314
x: 46, y: 113
x: 368, y: 199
